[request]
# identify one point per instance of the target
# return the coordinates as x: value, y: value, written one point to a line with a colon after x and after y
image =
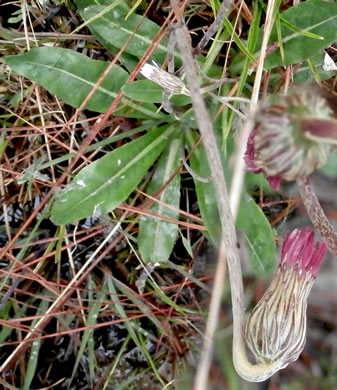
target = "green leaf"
x: 98, y: 302
x: 32, y: 365
x: 135, y: 34
x: 156, y: 237
x: 237, y: 40
x: 313, y: 16
x: 305, y: 75
x: 205, y: 190
x: 144, y: 91
x: 180, y: 100
x: 187, y: 245
x: 149, y: 92
x: 251, y: 219
x: 106, y: 183
x: 71, y: 76
x: 259, y: 236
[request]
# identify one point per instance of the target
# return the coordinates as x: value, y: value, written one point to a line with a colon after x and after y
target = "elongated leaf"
x: 99, y: 302
x: 205, y: 190
x: 149, y: 92
x: 251, y: 220
x: 259, y: 236
x: 144, y: 91
x: 104, y: 184
x: 35, y: 349
x: 313, y: 16
x: 112, y: 28
x: 156, y: 237
x: 311, y: 69
x: 71, y: 76
x: 305, y: 73
x: 237, y: 40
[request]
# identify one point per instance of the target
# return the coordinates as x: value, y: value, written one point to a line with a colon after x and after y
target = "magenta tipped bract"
x: 301, y: 252
x: 276, y: 328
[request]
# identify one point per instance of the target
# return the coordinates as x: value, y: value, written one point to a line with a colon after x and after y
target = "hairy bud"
x: 276, y: 328
x: 293, y: 136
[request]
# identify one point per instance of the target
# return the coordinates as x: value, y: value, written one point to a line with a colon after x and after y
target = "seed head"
x: 292, y: 137
x: 168, y: 81
x: 276, y: 328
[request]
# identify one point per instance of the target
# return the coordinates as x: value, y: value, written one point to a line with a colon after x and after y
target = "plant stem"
x: 222, y: 13
x: 316, y: 214
x: 228, y: 249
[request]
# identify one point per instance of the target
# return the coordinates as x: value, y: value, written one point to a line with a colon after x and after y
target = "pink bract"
x: 300, y: 251
x: 274, y: 181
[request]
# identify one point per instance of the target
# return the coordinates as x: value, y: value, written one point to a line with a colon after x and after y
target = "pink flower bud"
x: 292, y: 137
x: 276, y: 328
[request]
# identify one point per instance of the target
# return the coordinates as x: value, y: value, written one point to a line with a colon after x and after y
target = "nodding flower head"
x: 276, y: 328
x: 292, y: 137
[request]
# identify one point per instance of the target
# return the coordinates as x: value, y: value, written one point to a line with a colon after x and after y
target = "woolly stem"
x: 317, y: 215
x: 228, y: 249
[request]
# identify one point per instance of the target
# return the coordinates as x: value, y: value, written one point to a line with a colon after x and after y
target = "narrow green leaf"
x: 151, y: 361
x: 259, y: 235
x: 98, y: 303
x: 35, y: 349
x: 238, y: 41
x: 134, y: 33
x: 106, y: 3
x: 251, y: 219
x: 298, y: 30
x: 71, y: 76
x: 102, y: 143
x: 143, y: 91
x: 316, y: 17
x: 306, y: 73
x: 139, y: 303
x: 205, y: 189
x: 134, y: 7
x: 310, y: 70
x: 118, y: 307
x: 245, y: 64
x: 108, y: 6
x: 104, y: 184
x: 279, y: 36
x: 156, y: 237
x: 314, y: 70
x: 187, y: 244
x: 4, y: 141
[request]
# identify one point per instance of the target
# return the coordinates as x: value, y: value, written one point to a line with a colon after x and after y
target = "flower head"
x: 276, y: 328
x: 166, y: 80
x: 293, y: 136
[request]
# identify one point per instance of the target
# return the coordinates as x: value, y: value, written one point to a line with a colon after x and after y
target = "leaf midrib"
x: 174, y: 148
x: 296, y: 34
x: 100, y: 88
x: 134, y: 34
x: 124, y: 169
